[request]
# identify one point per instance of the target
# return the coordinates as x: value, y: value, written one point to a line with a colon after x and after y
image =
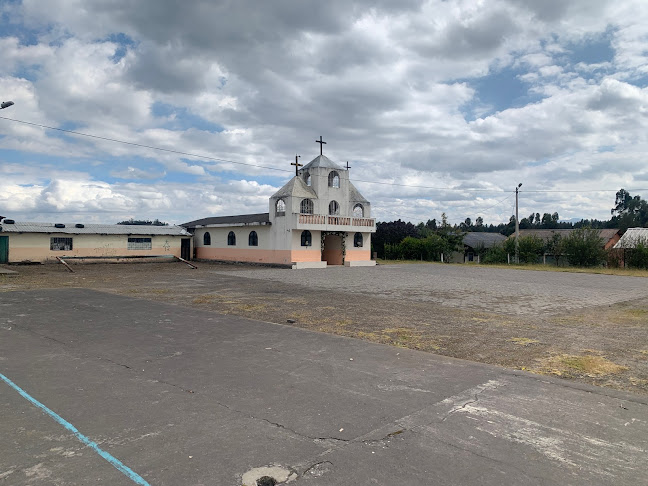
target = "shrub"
x: 638, y: 256
x: 584, y: 248
x: 495, y: 254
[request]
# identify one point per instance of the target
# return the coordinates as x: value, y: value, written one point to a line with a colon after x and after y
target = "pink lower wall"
x: 248, y: 255
x: 358, y: 254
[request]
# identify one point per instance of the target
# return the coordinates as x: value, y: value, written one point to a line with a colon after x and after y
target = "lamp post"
x: 517, y: 226
x: 6, y: 104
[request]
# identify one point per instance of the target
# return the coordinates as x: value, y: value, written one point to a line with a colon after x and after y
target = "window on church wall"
x: 334, y: 179
x: 334, y: 208
x: 231, y: 239
x: 306, y: 238
x: 280, y: 208
x: 357, y: 240
x: 206, y: 239
x: 253, y: 239
x: 306, y: 206
x: 307, y: 179
x: 358, y: 211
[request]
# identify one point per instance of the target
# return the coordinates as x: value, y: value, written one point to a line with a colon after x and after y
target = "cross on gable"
x: 348, y: 166
x: 321, y: 144
x: 297, y: 164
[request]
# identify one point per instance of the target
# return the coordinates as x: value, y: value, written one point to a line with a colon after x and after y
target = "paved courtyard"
x: 479, y: 288
x: 97, y: 388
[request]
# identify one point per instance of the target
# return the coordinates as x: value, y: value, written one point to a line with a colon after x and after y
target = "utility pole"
x: 517, y: 226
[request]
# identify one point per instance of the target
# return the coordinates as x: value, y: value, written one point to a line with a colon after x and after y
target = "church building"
x: 317, y: 219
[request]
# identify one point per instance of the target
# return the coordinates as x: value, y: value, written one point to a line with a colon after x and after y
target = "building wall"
x: 272, y: 247
x: 36, y: 246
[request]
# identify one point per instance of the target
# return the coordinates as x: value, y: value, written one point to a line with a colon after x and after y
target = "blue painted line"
x: 136, y: 478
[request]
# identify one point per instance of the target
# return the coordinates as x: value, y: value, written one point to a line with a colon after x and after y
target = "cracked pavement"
x: 187, y: 396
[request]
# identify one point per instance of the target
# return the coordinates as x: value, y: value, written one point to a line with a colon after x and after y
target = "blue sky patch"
x: 182, y: 118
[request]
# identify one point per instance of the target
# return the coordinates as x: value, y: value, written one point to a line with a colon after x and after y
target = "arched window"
x: 334, y: 179
x: 306, y: 238
x: 358, y: 211
x: 306, y: 206
x: 253, y: 239
x: 280, y: 207
x: 357, y: 240
x: 206, y: 239
x: 231, y: 239
x: 334, y: 208
x: 307, y: 179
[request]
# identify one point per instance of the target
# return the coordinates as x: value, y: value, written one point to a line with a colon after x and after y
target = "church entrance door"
x: 332, y: 252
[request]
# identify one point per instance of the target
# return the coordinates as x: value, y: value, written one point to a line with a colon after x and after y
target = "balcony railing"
x: 336, y: 220
x: 312, y: 219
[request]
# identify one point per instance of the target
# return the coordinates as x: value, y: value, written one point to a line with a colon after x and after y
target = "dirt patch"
x: 604, y: 345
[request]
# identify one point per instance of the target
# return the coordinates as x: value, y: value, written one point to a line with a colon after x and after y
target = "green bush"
x: 531, y: 249
x: 495, y: 254
x: 638, y: 256
x: 584, y: 248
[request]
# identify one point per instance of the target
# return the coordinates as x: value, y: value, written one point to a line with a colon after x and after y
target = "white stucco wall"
x: 36, y: 246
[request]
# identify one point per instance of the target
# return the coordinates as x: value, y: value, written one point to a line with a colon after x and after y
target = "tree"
x: 584, y: 248
x: 629, y: 211
x: 556, y: 247
x: 479, y: 224
x: 638, y: 256
x: 144, y: 222
x: 391, y: 233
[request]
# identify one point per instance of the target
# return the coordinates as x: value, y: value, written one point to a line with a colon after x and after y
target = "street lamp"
x: 6, y: 104
x: 517, y: 226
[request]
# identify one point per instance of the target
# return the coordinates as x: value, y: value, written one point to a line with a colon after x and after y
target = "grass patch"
x: 523, y: 341
x: 627, y: 272
x: 592, y: 366
x: 637, y: 313
x: 203, y: 299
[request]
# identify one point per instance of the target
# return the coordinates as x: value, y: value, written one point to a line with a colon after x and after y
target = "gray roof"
x: 239, y: 220
x: 295, y: 187
x: 102, y: 229
x: 322, y: 161
x: 483, y: 240
x: 631, y: 237
x: 355, y: 196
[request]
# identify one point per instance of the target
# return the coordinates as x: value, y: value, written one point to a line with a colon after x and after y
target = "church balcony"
x: 334, y: 223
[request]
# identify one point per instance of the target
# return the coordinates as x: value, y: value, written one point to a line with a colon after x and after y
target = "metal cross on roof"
x: 297, y: 164
x: 321, y: 144
x: 348, y: 166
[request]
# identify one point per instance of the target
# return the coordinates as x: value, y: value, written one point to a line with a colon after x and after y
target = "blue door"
x: 4, y: 249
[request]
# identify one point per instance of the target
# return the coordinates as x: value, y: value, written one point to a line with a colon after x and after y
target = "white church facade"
x: 317, y: 219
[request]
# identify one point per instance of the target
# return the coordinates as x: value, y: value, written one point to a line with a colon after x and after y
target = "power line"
x: 218, y: 159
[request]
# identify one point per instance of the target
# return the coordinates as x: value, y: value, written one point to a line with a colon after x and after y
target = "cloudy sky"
x: 439, y: 106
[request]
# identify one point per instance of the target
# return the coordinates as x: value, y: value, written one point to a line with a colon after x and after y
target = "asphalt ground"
x: 105, y: 389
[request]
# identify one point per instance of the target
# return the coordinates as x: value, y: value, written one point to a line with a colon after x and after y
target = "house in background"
x: 43, y: 242
x: 474, y: 243
x: 608, y: 236
x: 318, y: 218
x: 628, y: 242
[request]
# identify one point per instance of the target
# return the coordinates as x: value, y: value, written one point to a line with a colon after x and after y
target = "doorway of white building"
x: 332, y: 251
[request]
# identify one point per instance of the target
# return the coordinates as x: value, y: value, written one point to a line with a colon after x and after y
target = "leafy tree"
x: 530, y: 248
x: 391, y: 233
x: 584, y: 248
x: 556, y: 247
x: 629, y: 211
x: 144, y: 222
x: 479, y: 224
x: 495, y: 254
x: 638, y: 256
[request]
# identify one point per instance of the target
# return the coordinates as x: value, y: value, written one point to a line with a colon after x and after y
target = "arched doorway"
x: 332, y: 250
